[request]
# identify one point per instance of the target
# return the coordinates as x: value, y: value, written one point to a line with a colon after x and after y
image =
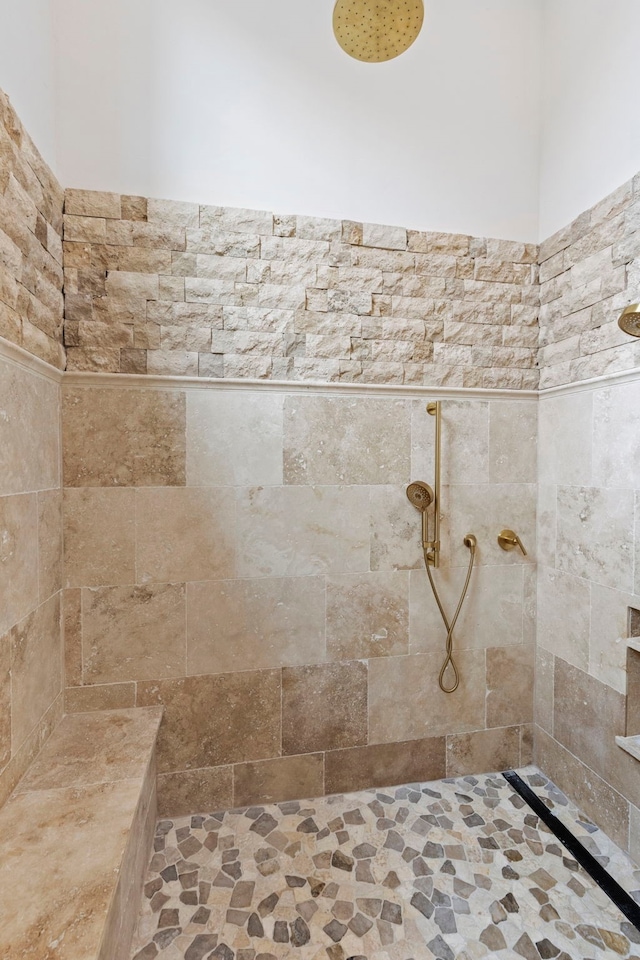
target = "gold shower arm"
x: 433, y: 546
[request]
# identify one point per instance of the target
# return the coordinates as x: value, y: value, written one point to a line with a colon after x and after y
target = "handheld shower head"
x: 420, y: 495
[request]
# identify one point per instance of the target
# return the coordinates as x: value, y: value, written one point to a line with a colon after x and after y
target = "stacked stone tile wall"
x: 589, y: 272
x: 161, y: 287
x: 31, y: 203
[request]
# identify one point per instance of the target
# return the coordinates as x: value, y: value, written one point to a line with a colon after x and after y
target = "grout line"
x: 185, y: 586
x: 39, y: 725
x: 486, y: 688
x: 281, y: 711
x: 135, y: 533
x: 38, y: 537
x: 81, y: 786
x: 636, y: 540
x: 520, y: 739
x: 553, y: 696
x: 233, y: 783
x: 81, y: 638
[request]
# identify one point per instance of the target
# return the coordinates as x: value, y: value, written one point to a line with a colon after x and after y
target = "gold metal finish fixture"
x: 377, y: 30
x: 629, y: 320
x: 422, y: 496
x: 471, y: 543
x: 509, y: 540
x: 434, y: 409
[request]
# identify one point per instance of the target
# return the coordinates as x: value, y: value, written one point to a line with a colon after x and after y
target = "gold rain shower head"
x: 377, y: 30
x: 630, y: 320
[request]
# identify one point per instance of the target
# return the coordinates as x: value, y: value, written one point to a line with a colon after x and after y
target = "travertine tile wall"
x: 31, y: 314
x: 589, y: 576
x: 588, y: 273
x: 588, y: 513
x: 31, y: 654
x: 248, y: 559
x: 31, y: 202
x: 175, y: 288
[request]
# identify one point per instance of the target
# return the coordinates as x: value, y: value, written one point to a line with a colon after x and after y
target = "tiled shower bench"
x: 75, y: 838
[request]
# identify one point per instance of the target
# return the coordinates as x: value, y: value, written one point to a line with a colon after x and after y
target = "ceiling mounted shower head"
x: 377, y: 30
x: 630, y: 320
x: 420, y: 495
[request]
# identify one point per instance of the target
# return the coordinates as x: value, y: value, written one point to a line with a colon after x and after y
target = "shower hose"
x: 470, y: 542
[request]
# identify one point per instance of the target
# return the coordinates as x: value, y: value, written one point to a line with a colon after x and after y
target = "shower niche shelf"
x: 631, y: 742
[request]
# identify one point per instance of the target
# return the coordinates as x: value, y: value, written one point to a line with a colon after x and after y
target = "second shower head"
x: 420, y: 495
x: 629, y: 320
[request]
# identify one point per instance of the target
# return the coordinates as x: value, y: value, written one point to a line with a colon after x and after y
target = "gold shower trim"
x: 629, y: 320
x: 421, y: 495
x: 432, y: 547
x: 509, y: 540
x: 471, y: 542
x: 374, y: 31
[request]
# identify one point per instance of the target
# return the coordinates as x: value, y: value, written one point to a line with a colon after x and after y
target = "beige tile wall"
x: 31, y: 203
x: 588, y: 548
x: 588, y: 494
x: 161, y: 287
x: 248, y: 559
x: 31, y: 649
x: 31, y: 317
x: 589, y: 272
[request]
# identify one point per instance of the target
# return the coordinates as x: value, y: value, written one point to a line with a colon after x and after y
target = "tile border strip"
x: 87, y: 379
x: 17, y: 355
x: 594, y: 383
x: 22, y: 358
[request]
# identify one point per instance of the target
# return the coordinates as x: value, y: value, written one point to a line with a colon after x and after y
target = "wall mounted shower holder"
x: 422, y: 496
x: 434, y: 409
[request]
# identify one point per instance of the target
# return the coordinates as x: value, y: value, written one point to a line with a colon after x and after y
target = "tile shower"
x: 259, y: 549
x: 239, y: 551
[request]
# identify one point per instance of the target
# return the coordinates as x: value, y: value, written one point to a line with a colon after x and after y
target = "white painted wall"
x: 27, y: 68
x: 248, y: 103
x: 253, y: 104
x: 591, y: 97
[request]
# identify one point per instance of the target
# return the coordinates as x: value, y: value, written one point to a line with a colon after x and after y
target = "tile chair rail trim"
x: 84, y: 379
x: 12, y: 352
x: 28, y: 361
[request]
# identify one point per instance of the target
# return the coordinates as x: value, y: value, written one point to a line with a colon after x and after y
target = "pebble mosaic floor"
x: 453, y: 869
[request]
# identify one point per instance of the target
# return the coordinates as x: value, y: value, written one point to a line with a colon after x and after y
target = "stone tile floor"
x: 449, y: 869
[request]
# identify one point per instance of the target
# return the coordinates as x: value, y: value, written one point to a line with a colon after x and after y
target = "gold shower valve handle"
x: 509, y: 540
